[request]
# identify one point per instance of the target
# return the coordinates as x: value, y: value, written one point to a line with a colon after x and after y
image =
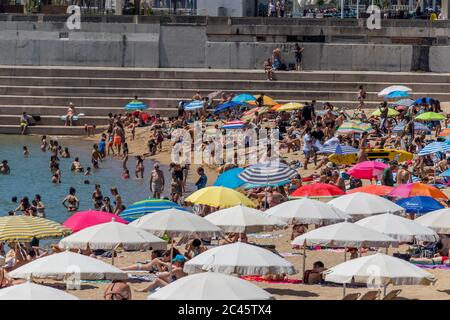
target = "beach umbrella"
x: 194, y: 105
x: 338, y: 149
x: 235, y: 124
x: 353, y: 126
x: 244, y: 97
x: 267, y: 101
x: 272, y: 185
x: 396, y: 95
x: 417, y: 127
x: 267, y: 173
x: 219, y: 197
x: 444, y: 133
x: 435, y: 147
x: 140, y: 208
x: 438, y: 220
x: 62, y: 265
x: 226, y: 105
x: 32, y: 291
x: 417, y: 189
x: 249, y: 114
x: 390, y: 89
x: 421, y: 100
x: 445, y: 174
x: 240, y: 219
x: 135, y: 105
x: 430, y: 116
x: 361, y: 204
x: 210, y: 286
x: 391, y: 112
x: 317, y: 190
x: 404, y: 103
x: 306, y: 211
x: 230, y: 179
x: 378, y: 270
x: 25, y: 228
x: 378, y: 190
x: 111, y: 235
x: 84, y: 219
x: 419, y: 204
x: 367, y: 170
x: 240, y: 258
x: 275, y: 107
x: 399, y: 228
x: 290, y: 106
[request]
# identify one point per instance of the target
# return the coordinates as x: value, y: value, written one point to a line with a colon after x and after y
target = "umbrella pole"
x: 384, y: 290
x: 345, y: 254
x: 171, y: 258
x: 112, y: 256
x: 343, y: 291
x: 304, y: 259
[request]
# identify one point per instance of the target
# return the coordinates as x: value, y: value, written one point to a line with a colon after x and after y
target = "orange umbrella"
x: 417, y: 189
x: 373, y: 189
x: 275, y: 107
x: 445, y: 132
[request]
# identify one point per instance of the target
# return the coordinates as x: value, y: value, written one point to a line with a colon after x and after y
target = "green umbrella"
x: 430, y: 116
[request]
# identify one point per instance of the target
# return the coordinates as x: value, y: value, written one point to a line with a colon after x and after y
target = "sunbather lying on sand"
x: 157, y: 264
x: 437, y: 259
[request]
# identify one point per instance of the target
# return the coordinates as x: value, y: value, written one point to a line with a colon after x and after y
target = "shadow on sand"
x: 291, y: 292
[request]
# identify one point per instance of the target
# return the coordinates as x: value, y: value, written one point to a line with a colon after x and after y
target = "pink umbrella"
x: 84, y: 219
x: 367, y: 169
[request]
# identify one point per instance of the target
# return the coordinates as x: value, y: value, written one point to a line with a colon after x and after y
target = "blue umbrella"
x: 397, y: 94
x: 140, y: 208
x: 419, y: 101
x: 419, y: 204
x: 226, y: 105
x: 243, y: 98
x: 230, y: 179
x: 435, y: 147
x: 196, y: 104
x: 445, y: 174
x: 404, y: 102
x: 135, y: 105
x: 417, y: 127
x: 339, y: 149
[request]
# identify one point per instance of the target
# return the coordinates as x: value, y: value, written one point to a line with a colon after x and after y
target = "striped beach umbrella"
x: 249, y: 114
x: 236, y: 124
x: 25, y: 228
x: 269, y: 173
x: 417, y: 127
x: 135, y: 105
x: 194, y: 105
x: 390, y: 89
x: 140, y: 208
x: 430, y: 116
x: 338, y: 149
x: 434, y: 147
x: 354, y: 127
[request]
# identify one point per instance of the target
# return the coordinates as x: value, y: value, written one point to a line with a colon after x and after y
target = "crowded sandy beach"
x: 300, y: 200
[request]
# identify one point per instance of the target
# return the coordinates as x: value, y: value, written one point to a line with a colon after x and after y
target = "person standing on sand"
x: 157, y: 182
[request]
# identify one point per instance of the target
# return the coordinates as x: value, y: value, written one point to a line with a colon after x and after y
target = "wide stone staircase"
x: 47, y: 91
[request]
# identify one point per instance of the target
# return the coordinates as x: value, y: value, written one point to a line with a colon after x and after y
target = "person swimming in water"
x: 4, y: 167
x: 26, y: 153
x: 71, y: 202
x: 76, y: 165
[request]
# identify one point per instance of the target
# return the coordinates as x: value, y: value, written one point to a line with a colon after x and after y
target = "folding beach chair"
x: 392, y: 294
x: 370, y: 295
x: 352, y: 296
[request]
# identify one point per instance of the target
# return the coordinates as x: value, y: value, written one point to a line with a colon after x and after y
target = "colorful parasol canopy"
x: 140, y: 208
x: 318, y: 190
x: 230, y: 179
x: 367, y: 169
x: 290, y: 106
x: 417, y: 189
x: 25, y: 228
x: 430, y: 116
x: 219, y: 197
x: 84, y: 219
x: 394, y: 88
x: 373, y: 189
x: 249, y: 114
x: 269, y: 173
x: 354, y: 127
x: 244, y: 97
x: 435, y: 147
x: 194, y: 105
x: 135, y: 105
x: 419, y: 204
x: 391, y: 113
x: 235, y: 124
x: 267, y: 101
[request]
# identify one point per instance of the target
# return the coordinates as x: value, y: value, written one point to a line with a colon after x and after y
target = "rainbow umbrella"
x: 141, y: 208
x: 354, y: 127
x: 84, y: 219
x: 417, y: 189
x: 377, y: 190
x: 430, y: 116
x: 419, y: 204
x: 367, y: 169
x: 317, y: 190
x: 290, y: 106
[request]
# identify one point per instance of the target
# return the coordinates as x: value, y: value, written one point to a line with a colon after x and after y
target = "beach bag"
x: 118, y: 290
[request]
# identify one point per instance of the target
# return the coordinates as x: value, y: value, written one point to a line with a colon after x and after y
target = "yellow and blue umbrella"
x: 25, y: 228
x: 140, y: 208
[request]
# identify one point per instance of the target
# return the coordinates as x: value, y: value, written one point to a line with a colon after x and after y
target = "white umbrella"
x: 361, y: 204
x: 210, y: 286
x: 62, y: 265
x: 174, y: 222
x: 390, y: 89
x: 438, y: 220
x: 307, y: 211
x: 379, y: 270
x: 399, y: 228
x: 32, y: 291
x: 240, y: 258
x: 241, y: 219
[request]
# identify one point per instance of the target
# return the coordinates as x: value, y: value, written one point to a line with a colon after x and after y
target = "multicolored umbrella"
x: 244, y: 97
x: 318, y: 190
x: 391, y: 112
x: 290, y: 106
x: 350, y: 127
x: 396, y: 95
x: 417, y: 189
x: 135, y: 105
x: 367, y: 169
x: 430, y: 116
x: 230, y: 179
x: 419, y: 204
x: 269, y: 173
x: 338, y: 149
x: 25, y: 228
x: 219, y: 197
x: 378, y: 190
x: 194, y: 105
x: 235, y: 124
x: 434, y: 147
x: 84, y: 219
x: 140, y: 208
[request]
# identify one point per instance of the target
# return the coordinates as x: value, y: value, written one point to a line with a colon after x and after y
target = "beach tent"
x: 240, y: 258
x: 219, y: 197
x: 438, y: 220
x: 361, y: 204
x: 378, y: 271
x: 32, y: 291
x: 210, y: 286
x: 25, y: 228
x: 394, y: 88
x: 140, y: 208
x: 240, y: 219
x: 62, y: 265
x: 306, y: 211
x: 399, y: 228
x: 268, y: 173
x: 84, y: 219
x: 419, y: 204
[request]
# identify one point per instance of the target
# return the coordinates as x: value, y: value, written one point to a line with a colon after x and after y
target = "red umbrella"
x: 84, y: 219
x: 373, y: 189
x: 318, y: 190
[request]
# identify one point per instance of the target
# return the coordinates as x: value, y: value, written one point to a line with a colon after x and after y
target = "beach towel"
x: 260, y: 279
x: 433, y: 266
x: 264, y: 235
x: 145, y: 277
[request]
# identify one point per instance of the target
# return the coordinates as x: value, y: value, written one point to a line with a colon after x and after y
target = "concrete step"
x: 48, y: 130
x: 54, y: 120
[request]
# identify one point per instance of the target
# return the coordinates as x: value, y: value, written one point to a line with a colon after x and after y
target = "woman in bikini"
x: 139, y: 167
x: 97, y: 197
x: 118, y: 201
x: 71, y: 202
